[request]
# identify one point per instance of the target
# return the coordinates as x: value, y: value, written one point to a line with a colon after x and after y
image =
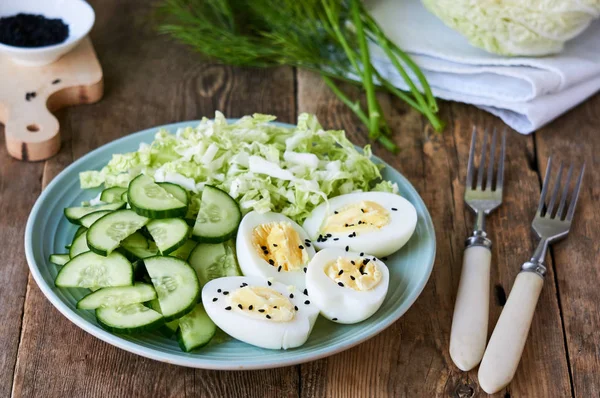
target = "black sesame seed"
x: 301, y: 247
x: 215, y: 299
x: 336, y: 238
x: 291, y: 295
x: 218, y: 290
x: 274, y: 244
x: 274, y: 306
x: 350, y: 236
x: 341, y: 272
x: 307, y: 240
x: 361, y: 269
x: 265, y: 252
x: 340, y: 284
x: 394, y: 209
x: 351, y: 277
x: 264, y: 247
x: 268, y: 316
x: 362, y: 254
x: 279, y: 269
x: 347, y: 248
x: 335, y: 212
x: 296, y: 307
x: 366, y: 261
x: 228, y: 308
x: 352, y: 262
x: 225, y: 293
x: 55, y: 81
x: 251, y: 307
x: 305, y: 292
x: 359, y: 222
x: 261, y: 310
x: 328, y: 235
x: 307, y: 302
x: 363, y: 210
x: 334, y: 319
x: 271, y: 261
x: 304, y: 270
x: 269, y: 283
x: 346, y: 225
x: 240, y: 307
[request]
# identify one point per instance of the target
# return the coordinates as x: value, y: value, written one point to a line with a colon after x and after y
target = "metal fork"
x: 470, y: 320
x: 551, y: 223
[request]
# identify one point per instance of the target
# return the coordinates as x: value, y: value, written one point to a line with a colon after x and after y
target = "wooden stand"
x: 28, y: 95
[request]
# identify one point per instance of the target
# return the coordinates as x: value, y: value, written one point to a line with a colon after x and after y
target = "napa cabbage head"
x: 517, y: 27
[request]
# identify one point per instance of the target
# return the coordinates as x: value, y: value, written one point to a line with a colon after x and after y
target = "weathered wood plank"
x: 19, y: 187
x: 149, y: 81
x: 411, y: 357
x: 575, y: 138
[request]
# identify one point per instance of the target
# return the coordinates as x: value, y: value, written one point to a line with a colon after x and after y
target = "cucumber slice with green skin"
x: 91, y: 270
x: 149, y: 199
x: 129, y: 319
x: 184, y: 251
x: 176, y: 284
x: 117, y: 296
x: 59, y: 259
x: 169, y: 328
x: 168, y: 233
x: 112, y: 194
x: 136, y: 239
x: 177, y: 191
x: 196, y: 329
x: 107, y: 232
x: 78, y: 246
x: 218, y: 218
x: 214, y: 260
x: 74, y: 214
x: 139, y: 253
x: 91, y: 218
x: 79, y: 231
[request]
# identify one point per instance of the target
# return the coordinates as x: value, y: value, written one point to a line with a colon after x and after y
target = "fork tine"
x: 545, y: 186
x: 563, y: 196
x: 575, y: 195
x: 482, y: 160
x: 471, y: 166
x: 500, y: 176
x: 488, y: 181
x: 555, y: 191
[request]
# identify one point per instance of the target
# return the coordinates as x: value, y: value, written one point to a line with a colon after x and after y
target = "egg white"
x: 252, y: 264
x: 380, y: 243
x: 343, y: 304
x: 259, y: 332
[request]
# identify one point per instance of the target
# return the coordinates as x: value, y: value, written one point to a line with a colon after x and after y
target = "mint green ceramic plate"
x: 48, y: 232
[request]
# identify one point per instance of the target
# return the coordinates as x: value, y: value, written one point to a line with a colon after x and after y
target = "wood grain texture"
x: 411, y: 358
x: 575, y: 138
x: 149, y: 81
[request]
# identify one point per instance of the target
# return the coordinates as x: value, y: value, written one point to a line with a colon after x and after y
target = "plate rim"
x: 198, y: 362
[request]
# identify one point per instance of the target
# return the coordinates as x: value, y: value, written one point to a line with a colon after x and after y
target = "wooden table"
x: 151, y: 81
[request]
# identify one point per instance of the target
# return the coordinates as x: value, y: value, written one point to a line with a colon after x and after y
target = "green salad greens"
x: 263, y: 166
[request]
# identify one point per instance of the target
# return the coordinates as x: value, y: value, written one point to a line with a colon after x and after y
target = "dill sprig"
x: 329, y: 37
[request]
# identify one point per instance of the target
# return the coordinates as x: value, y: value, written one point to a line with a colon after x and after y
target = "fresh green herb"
x: 329, y: 37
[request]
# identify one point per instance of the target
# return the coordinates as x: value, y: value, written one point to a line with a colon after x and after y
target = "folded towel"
x: 525, y: 92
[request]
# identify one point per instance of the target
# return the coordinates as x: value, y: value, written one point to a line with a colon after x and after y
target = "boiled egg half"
x: 347, y: 287
x: 271, y: 245
x: 378, y: 223
x: 259, y: 311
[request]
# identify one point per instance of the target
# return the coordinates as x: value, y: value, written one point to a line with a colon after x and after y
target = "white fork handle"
x: 470, y: 320
x: 505, y: 348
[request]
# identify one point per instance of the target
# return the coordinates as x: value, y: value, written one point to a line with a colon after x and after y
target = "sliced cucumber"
x: 214, y: 260
x: 74, y: 214
x: 136, y: 239
x: 91, y: 218
x: 176, y: 284
x: 78, y: 246
x: 218, y: 218
x: 107, y: 233
x: 140, y: 253
x: 117, y: 296
x: 177, y: 191
x: 124, y: 197
x: 59, y: 259
x: 129, y: 319
x: 184, y: 251
x: 149, y: 199
x: 169, y: 328
x: 168, y: 233
x: 196, y: 329
x: 112, y: 194
x: 92, y: 270
x: 79, y: 231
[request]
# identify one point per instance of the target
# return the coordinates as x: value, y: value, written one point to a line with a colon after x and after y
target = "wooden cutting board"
x: 28, y: 95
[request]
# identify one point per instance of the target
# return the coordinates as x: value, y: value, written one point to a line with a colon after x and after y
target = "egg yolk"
x: 359, y: 274
x: 262, y: 303
x: 279, y: 244
x: 365, y: 216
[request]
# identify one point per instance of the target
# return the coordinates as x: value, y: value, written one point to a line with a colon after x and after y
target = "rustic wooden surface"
x: 150, y: 81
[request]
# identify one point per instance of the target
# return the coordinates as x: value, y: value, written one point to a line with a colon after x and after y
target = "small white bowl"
x: 78, y: 14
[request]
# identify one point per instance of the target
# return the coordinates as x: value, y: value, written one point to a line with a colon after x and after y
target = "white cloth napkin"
x: 524, y: 92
